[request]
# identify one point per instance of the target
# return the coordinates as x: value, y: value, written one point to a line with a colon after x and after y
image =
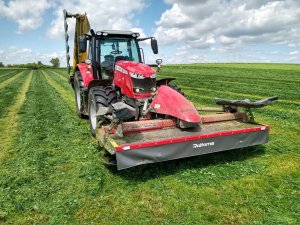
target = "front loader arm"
x: 82, y: 26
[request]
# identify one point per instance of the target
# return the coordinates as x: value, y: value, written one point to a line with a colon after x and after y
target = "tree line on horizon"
x: 39, y: 65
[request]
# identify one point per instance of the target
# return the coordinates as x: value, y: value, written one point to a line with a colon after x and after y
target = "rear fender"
x: 94, y: 83
x: 170, y: 102
x: 86, y: 72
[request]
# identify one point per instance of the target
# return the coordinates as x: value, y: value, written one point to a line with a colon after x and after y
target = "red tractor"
x: 138, y: 118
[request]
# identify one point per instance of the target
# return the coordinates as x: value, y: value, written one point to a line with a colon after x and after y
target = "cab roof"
x: 117, y: 32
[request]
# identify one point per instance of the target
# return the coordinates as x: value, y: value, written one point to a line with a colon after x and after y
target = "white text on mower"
x: 200, y: 145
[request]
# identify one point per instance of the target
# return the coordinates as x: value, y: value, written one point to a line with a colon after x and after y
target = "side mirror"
x: 82, y: 44
x: 159, y: 61
x: 154, y: 45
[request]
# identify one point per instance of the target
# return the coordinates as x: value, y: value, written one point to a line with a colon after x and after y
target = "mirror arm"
x: 144, y: 39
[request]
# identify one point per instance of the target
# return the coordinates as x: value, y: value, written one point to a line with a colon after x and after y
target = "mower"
x: 140, y: 119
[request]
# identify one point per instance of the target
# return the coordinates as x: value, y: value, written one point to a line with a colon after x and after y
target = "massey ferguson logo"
x: 122, y: 70
x: 200, y: 145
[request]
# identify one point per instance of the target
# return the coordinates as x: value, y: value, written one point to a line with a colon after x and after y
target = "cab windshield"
x: 114, y: 49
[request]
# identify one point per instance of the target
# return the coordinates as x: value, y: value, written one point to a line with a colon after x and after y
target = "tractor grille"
x: 146, y: 84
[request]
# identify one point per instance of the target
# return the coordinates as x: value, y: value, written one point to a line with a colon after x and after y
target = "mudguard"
x: 170, y: 102
x: 86, y: 72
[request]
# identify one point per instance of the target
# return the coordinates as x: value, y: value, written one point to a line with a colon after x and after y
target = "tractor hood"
x: 135, y: 69
x: 170, y: 102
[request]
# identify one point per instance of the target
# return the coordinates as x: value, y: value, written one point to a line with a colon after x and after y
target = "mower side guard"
x: 169, y: 102
x: 247, y: 104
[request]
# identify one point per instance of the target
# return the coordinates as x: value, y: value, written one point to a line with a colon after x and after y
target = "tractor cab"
x: 115, y: 47
x: 106, y: 48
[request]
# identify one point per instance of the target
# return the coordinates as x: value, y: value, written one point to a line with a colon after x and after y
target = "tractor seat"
x: 107, y: 67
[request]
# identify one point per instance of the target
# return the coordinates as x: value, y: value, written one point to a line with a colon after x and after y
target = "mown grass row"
x: 10, y: 121
x: 56, y: 175
x: 8, y: 74
x: 8, y: 92
x: 257, y: 91
x: 54, y: 162
x: 236, y: 71
x: 4, y: 72
x: 236, y: 77
x: 11, y: 79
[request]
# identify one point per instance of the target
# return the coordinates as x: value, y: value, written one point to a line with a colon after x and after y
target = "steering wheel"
x: 116, y: 52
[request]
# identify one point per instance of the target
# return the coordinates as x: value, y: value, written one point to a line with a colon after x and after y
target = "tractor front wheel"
x: 99, y: 97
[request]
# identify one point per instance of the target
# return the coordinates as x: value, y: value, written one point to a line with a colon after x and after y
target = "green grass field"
x: 51, y: 170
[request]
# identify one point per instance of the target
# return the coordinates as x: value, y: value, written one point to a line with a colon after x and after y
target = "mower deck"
x: 174, y: 133
x: 143, y: 144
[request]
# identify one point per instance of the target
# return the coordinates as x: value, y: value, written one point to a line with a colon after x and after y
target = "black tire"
x: 78, y: 90
x: 99, y: 97
x: 176, y: 88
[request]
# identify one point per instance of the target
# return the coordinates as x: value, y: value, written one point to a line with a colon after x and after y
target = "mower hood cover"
x: 170, y: 102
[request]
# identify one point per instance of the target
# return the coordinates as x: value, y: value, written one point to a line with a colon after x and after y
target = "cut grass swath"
x: 7, y: 75
x: 8, y: 93
x: 59, y: 74
x: 10, y: 123
x: 55, y: 161
x: 10, y: 80
x: 65, y: 94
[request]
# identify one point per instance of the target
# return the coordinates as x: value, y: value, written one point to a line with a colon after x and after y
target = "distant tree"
x: 34, y: 66
x: 55, y: 62
x: 1, y: 64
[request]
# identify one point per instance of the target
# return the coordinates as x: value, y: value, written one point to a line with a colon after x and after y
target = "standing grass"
x: 56, y: 175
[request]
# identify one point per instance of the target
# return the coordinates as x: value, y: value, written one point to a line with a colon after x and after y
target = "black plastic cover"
x: 246, y: 103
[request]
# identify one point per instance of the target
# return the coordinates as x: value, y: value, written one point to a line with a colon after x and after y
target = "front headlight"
x: 138, y: 90
x: 153, y: 75
x: 154, y: 89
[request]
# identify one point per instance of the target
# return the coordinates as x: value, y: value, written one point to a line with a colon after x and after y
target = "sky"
x: 187, y: 31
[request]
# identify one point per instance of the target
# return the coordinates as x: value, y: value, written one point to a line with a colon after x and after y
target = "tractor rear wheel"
x: 99, y: 97
x: 78, y: 90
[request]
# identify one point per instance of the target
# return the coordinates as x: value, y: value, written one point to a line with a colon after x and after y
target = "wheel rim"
x: 78, y: 97
x: 93, y: 117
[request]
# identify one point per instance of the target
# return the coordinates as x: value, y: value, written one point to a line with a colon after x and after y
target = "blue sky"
x: 187, y: 31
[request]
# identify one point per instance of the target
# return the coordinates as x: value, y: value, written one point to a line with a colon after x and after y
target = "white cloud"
x: 25, y: 55
x: 228, y: 22
x: 175, y: 17
x: 28, y: 14
x: 102, y: 15
x: 292, y: 45
x: 222, y: 27
x: 294, y: 53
